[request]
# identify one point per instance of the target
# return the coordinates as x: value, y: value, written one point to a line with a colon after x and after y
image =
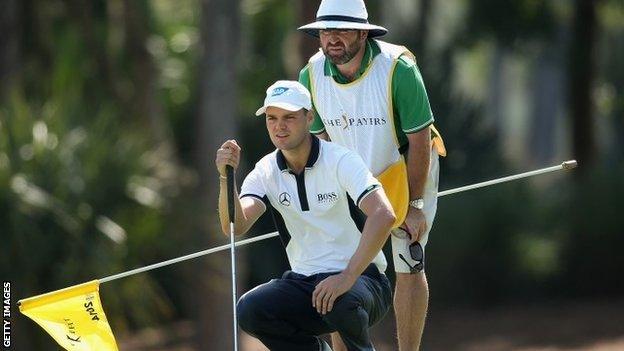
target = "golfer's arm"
x: 248, y: 210
x: 418, y: 162
x: 380, y: 218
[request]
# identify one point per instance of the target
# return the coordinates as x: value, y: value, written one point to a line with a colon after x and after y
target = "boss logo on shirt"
x: 326, y: 198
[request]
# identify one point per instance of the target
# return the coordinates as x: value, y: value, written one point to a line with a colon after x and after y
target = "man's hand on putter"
x: 415, y: 223
x: 328, y: 290
x: 228, y: 155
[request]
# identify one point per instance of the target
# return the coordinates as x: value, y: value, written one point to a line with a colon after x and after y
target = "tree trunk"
x: 422, y: 28
x: 144, y: 76
x: 82, y: 14
x: 216, y: 122
x: 582, y: 71
x: 9, y: 38
x: 308, y: 45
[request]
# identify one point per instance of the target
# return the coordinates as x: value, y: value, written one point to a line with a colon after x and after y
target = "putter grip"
x: 229, y: 174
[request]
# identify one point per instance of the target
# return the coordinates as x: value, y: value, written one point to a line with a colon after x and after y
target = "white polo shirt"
x: 315, y: 212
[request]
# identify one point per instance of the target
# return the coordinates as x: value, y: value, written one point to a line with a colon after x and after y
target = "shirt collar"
x: 312, y: 158
x: 371, y: 50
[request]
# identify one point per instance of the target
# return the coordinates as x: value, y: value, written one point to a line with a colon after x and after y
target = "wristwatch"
x: 417, y: 204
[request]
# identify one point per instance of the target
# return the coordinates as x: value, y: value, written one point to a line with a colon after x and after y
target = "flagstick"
x: 186, y: 257
x: 567, y: 165
x: 564, y: 165
x: 232, y: 217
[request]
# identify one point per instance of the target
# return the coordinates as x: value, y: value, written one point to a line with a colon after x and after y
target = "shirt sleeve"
x: 254, y: 187
x: 355, y: 177
x: 410, y: 99
x: 317, y: 126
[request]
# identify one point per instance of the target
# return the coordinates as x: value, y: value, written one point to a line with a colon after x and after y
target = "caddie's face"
x: 340, y: 46
x: 287, y: 129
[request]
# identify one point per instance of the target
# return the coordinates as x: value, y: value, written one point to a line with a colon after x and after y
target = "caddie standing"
x: 369, y: 96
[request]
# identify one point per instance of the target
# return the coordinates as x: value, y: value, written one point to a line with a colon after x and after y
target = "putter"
x: 231, y: 214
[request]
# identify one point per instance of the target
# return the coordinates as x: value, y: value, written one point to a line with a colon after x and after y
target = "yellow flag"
x: 73, y: 316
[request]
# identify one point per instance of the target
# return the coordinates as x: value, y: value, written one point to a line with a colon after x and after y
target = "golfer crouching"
x: 333, y: 218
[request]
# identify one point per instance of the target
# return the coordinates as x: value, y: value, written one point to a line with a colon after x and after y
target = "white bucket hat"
x: 343, y: 14
x: 287, y: 94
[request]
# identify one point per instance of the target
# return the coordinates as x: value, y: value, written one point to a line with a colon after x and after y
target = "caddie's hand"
x: 328, y: 290
x: 227, y: 155
x: 415, y: 223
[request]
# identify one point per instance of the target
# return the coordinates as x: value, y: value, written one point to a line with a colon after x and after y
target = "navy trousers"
x: 280, y: 312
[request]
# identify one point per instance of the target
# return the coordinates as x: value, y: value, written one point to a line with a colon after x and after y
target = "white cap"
x: 287, y: 94
x: 343, y: 14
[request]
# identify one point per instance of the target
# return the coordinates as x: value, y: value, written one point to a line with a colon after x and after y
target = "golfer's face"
x: 340, y: 46
x: 287, y: 129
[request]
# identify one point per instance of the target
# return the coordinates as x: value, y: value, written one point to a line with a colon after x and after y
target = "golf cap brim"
x: 282, y: 105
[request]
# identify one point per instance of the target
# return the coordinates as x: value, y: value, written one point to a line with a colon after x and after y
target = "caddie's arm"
x: 418, y: 158
x: 380, y: 218
x: 418, y: 155
x: 411, y: 104
x: 248, y: 209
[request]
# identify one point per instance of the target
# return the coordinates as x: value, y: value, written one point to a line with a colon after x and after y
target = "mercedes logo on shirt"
x: 284, y: 199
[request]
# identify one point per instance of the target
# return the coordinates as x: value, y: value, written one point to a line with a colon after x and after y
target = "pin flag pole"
x: 567, y: 165
x: 563, y: 166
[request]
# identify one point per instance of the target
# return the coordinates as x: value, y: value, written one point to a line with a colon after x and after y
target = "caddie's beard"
x: 349, y: 53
